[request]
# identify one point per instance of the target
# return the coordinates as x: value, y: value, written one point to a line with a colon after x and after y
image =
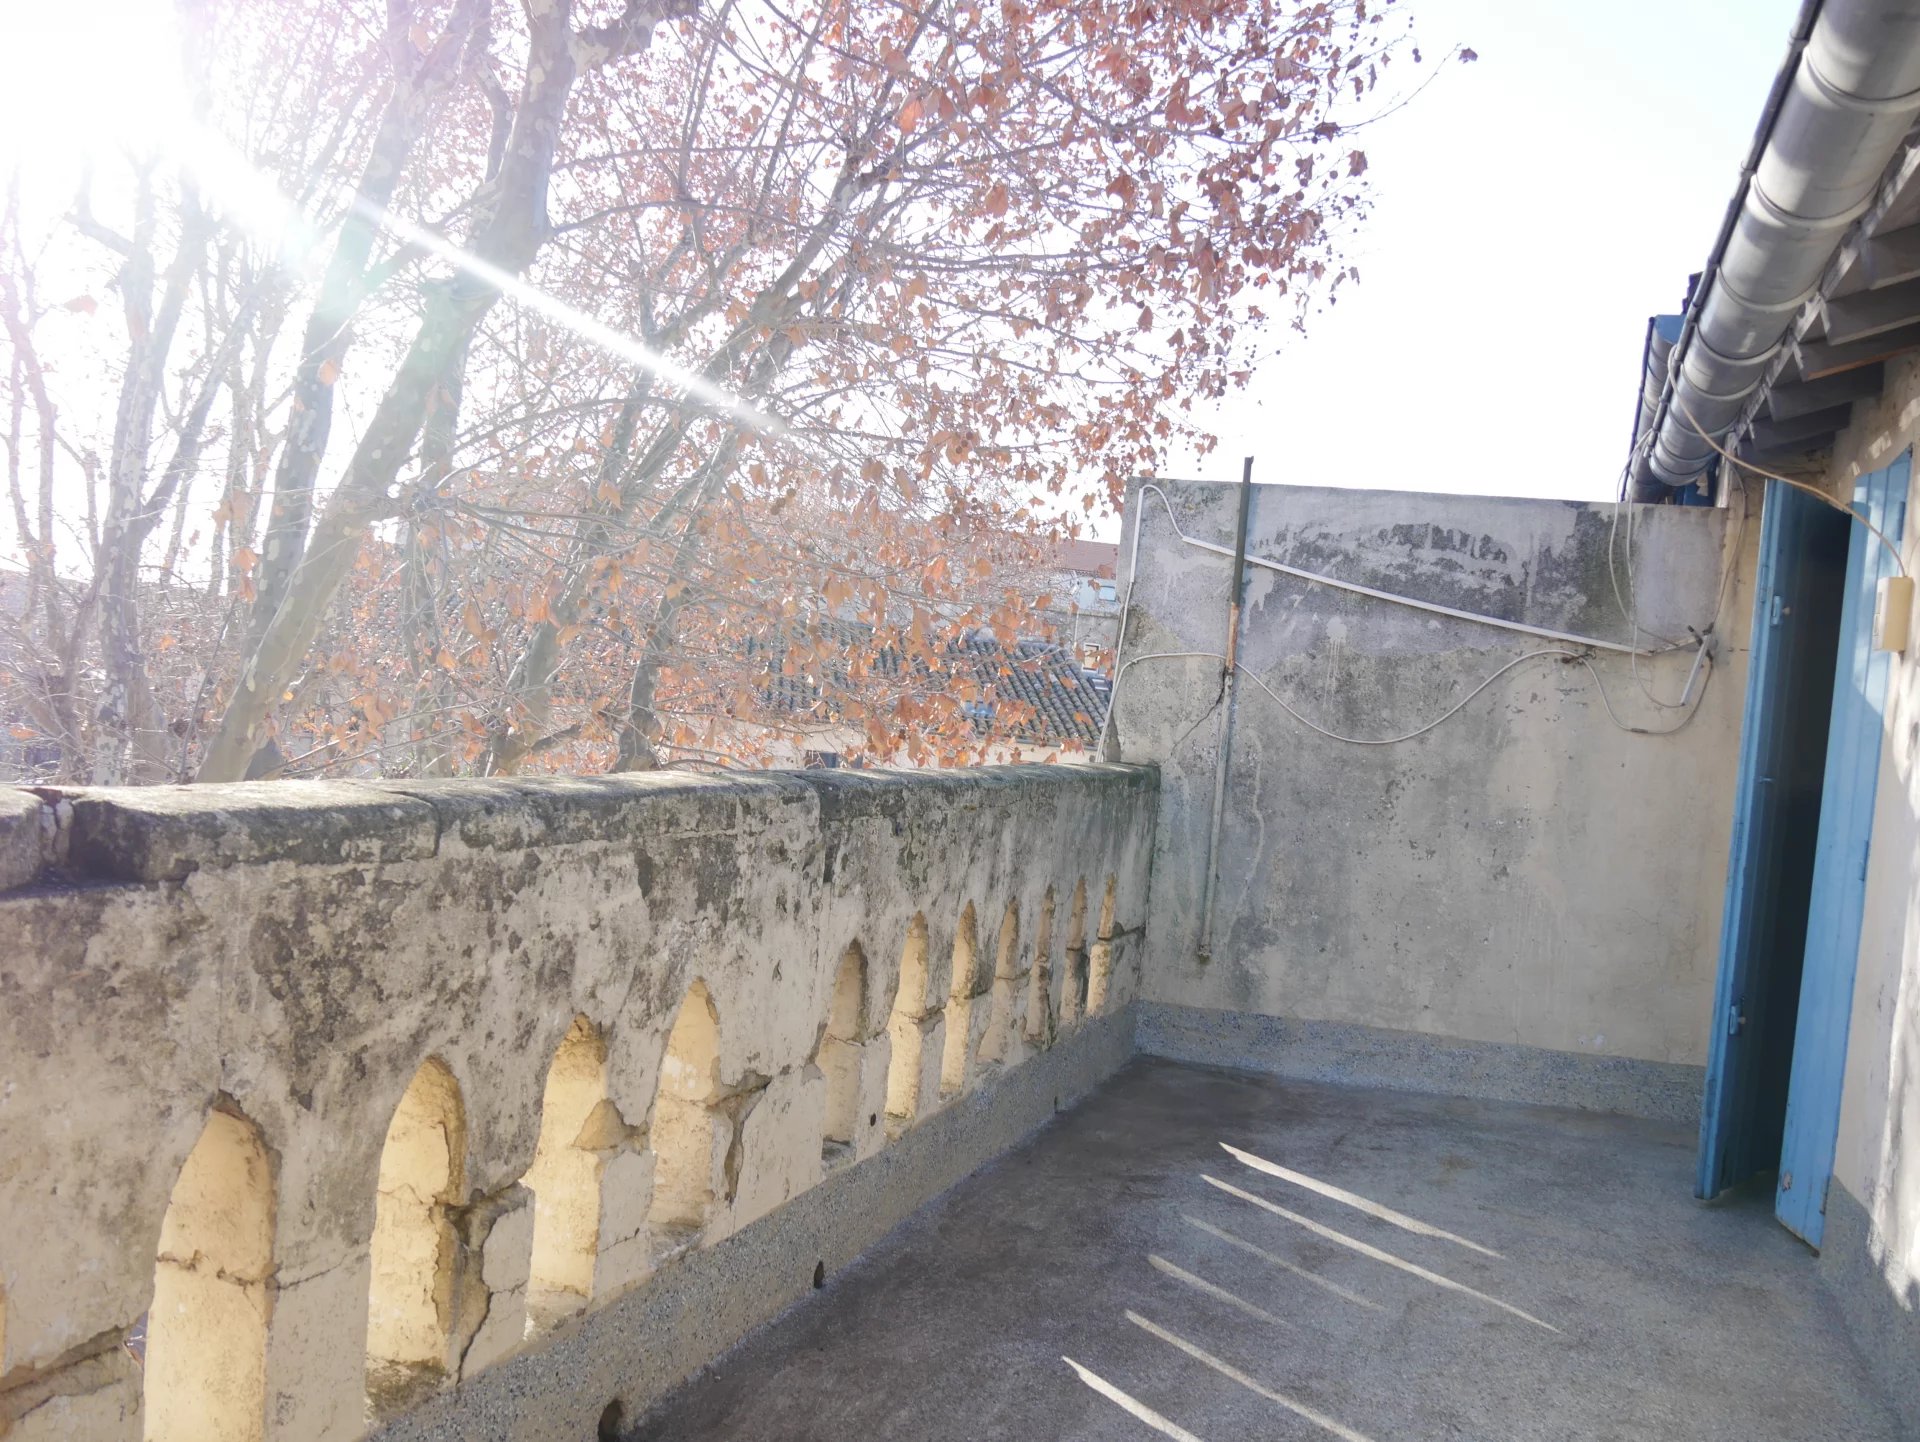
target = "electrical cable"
x: 1702, y: 655
x: 1374, y: 593
x: 1631, y: 610
x: 1555, y: 651
x: 1814, y: 491
x: 1628, y: 613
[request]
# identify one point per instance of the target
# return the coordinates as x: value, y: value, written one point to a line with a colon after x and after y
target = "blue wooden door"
x: 1803, y: 551
x: 1840, y: 866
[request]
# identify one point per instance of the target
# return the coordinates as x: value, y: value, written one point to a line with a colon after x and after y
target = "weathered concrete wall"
x: 633, y: 1350
x: 1525, y: 873
x: 1872, y: 1243
x: 311, y: 965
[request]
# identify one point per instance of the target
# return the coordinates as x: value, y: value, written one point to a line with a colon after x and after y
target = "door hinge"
x: 1736, y: 1018
x: 1779, y: 609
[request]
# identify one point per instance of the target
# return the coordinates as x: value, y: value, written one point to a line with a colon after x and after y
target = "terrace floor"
x: 1365, y: 1265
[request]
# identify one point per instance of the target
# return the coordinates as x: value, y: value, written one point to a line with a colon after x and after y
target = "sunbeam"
x: 1220, y: 1294
x: 1281, y: 1262
x: 531, y: 297
x: 1357, y: 1202
x: 1366, y: 1250
x: 1163, y: 1425
x: 1226, y: 1369
x: 249, y: 198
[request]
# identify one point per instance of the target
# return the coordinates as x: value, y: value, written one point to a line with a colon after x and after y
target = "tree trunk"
x: 515, y: 735
x: 420, y: 606
x: 508, y: 231
x: 419, y: 86
x: 124, y: 716
x: 641, y: 723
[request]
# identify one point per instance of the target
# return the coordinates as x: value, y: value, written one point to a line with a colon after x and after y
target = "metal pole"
x: 1229, y: 676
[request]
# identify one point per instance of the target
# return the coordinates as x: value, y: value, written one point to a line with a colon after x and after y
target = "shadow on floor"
x: 1207, y: 1255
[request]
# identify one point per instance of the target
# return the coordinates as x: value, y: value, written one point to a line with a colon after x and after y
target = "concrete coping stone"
x: 152, y: 834
x: 23, y: 821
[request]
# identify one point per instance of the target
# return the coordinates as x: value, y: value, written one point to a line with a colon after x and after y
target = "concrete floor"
x: 1432, y: 1268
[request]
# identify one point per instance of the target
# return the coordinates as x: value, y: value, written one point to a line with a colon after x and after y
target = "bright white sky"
x: 1532, y: 210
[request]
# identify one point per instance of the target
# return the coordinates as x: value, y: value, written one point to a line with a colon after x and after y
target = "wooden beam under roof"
x: 1872, y: 312
x: 1824, y: 358
x: 1885, y: 259
x: 1787, y: 457
x: 1799, y: 431
x: 1787, y: 400
x: 1888, y: 244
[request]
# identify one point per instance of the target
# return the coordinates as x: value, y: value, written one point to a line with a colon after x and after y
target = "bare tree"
x: 820, y: 325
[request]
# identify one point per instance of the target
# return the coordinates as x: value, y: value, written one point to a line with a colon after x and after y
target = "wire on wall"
x: 1819, y: 495
x: 1691, y: 696
x: 1629, y: 603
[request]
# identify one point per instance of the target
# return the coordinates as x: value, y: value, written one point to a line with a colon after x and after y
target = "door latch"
x: 1736, y: 1018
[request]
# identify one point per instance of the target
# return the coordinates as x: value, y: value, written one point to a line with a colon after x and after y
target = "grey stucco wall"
x: 1872, y: 1242
x: 293, y: 952
x: 1526, y: 873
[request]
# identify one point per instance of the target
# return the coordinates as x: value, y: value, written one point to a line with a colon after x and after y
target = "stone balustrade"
x: 321, y: 1103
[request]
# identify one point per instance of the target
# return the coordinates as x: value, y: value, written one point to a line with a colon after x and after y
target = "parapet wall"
x: 1526, y: 860
x: 317, y: 1099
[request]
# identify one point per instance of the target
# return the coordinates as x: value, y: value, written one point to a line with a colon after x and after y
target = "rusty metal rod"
x: 1229, y: 674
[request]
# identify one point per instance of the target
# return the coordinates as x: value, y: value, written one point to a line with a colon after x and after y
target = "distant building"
x: 1031, y: 701
x: 1085, y: 608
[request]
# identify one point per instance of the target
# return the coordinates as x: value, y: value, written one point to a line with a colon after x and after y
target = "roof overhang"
x: 1813, y: 283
